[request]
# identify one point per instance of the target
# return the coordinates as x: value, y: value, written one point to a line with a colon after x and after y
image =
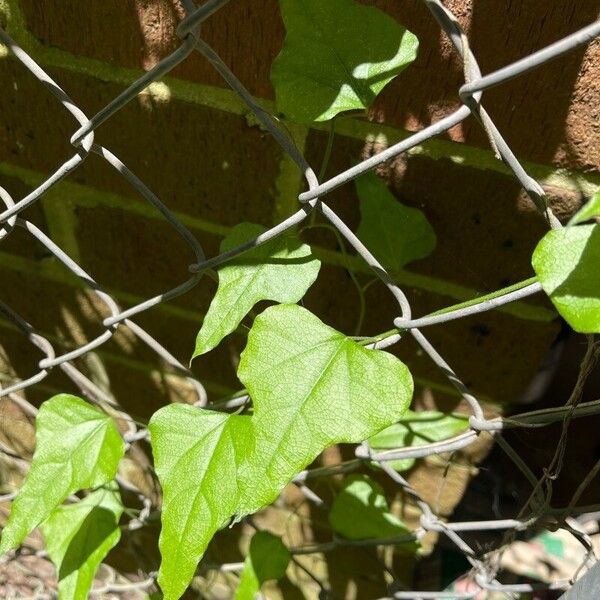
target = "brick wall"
x: 191, y: 141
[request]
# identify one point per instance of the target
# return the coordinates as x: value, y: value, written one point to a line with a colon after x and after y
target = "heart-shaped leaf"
x: 77, y: 447
x: 197, y: 456
x: 280, y: 270
x: 394, y: 233
x: 79, y: 536
x: 338, y: 55
x: 311, y: 387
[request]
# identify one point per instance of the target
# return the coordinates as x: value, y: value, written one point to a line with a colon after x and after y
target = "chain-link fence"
x: 537, y: 511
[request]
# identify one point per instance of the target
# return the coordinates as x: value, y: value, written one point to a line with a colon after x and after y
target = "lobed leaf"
x: 267, y: 559
x: 311, y: 387
x: 417, y: 429
x: 338, y: 55
x: 394, y: 233
x: 197, y: 456
x: 79, y: 536
x: 280, y: 270
x: 77, y: 447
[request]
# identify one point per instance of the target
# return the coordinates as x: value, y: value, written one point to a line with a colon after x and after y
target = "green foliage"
x: 417, y: 429
x: 566, y: 262
x: 338, y: 55
x: 360, y: 511
x: 311, y: 387
x: 79, y: 536
x: 198, y: 455
x: 267, y: 559
x: 395, y: 234
x: 280, y: 270
x: 587, y: 212
x: 77, y: 447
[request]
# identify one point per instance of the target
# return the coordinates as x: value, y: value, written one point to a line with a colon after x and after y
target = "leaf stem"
x: 328, y: 149
x: 491, y: 296
x: 360, y: 289
x: 479, y: 300
x: 367, y: 341
x: 324, y: 163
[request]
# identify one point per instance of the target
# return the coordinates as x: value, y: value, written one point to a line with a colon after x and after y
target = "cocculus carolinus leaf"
x: 79, y: 536
x: 280, y: 270
x: 311, y: 387
x: 396, y: 234
x: 567, y: 263
x: 360, y: 511
x: 417, y: 429
x: 338, y: 55
x: 198, y: 457
x: 267, y: 559
x: 77, y: 447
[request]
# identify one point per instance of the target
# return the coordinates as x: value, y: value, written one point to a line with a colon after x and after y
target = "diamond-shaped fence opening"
x: 484, y: 568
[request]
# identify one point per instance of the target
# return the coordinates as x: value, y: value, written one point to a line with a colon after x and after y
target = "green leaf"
x: 567, y: 262
x: 394, y: 233
x: 417, y: 429
x: 280, y: 270
x: 588, y: 211
x: 360, y: 511
x: 79, y: 536
x: 197, y: 456
x: 338, y: 55
x: 311, y: 387
x: 267, y: 559
x: 77, y: 447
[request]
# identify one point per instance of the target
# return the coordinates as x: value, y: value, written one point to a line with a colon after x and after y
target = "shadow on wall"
x: 545, y: 115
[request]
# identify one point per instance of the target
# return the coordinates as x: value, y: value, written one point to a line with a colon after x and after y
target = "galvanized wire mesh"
x: 484, y: 567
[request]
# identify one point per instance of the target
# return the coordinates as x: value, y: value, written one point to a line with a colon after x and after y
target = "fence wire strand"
x: 484, y: 569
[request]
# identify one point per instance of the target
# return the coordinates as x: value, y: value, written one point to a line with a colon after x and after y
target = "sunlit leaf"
x: 396, y: 234
x: 566, y: 262
x: 267, y: 559
x: 197, y: 455
x: 77, y: 447
x: 311, y: 387
x: 79, y: 536
x: 338, y: 55
x: 280, y: 270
